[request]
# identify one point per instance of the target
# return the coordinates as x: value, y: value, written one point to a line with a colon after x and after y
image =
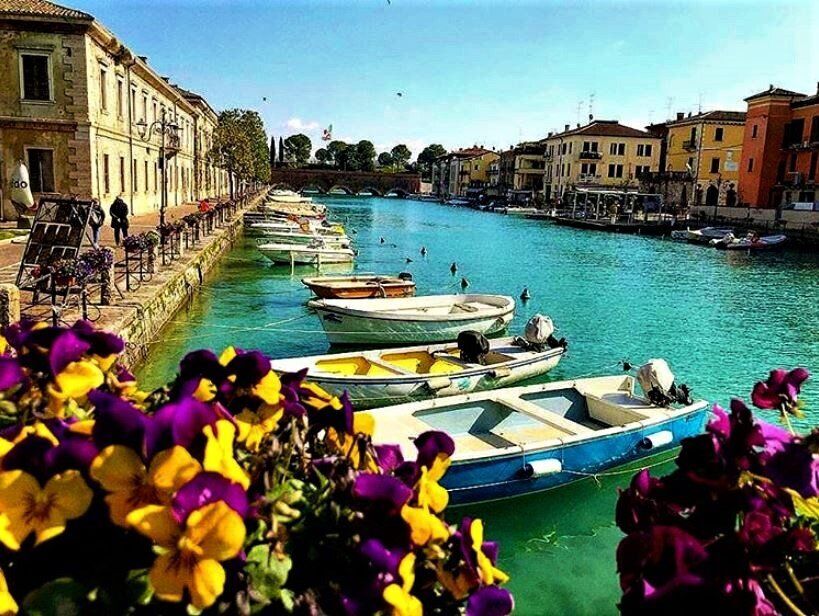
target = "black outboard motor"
x: 473, y: 346
x: 405, y: 276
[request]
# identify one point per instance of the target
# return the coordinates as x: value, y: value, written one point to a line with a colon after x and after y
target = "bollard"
x: 106, y: 286
x: 9, y: 304
x: 151, y: 260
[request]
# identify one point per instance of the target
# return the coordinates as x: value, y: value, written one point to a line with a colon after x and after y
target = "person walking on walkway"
x: 96, y: 218
x: 119, y: 219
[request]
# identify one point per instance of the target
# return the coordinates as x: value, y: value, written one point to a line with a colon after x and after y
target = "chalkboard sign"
x: 56, y: 233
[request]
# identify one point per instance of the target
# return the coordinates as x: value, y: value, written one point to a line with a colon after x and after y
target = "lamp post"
x: 169, y: 140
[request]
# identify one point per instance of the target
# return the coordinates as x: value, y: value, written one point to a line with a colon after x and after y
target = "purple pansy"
x: 431, y: 444
x: 180, y: 422
x: 382, y: 489
x: 208, y: 488
x: 490, y: 601
x: 782, y: 387
x: 68, y: 347
x: 118, y: 422
x: 11, y: 373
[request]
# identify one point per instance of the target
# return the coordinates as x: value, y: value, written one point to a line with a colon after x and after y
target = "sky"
x: 485, y: 72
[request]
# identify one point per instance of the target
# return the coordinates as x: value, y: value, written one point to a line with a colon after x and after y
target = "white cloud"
x: 299, y: 124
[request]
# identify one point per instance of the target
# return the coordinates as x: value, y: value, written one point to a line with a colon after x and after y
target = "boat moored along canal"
x: 522, y: 440
x: 361, y: 286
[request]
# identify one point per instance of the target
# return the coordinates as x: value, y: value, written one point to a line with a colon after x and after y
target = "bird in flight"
x: 399, y: 94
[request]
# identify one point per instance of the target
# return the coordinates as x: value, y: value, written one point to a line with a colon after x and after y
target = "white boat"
x: 287, y: 196
x: 305, y: 239
x: 521, y: 440
x: 704, y: 236
x: 767, y: 242
x: 264, y: 227
x: 392, y: 376
x: 398, y: 320
x: 294, y: 254
x: 458, y: 202
x: 521, y: 211
x: 306, y: 210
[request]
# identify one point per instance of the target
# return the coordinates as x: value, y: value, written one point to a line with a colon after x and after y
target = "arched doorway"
x: 712, y: 196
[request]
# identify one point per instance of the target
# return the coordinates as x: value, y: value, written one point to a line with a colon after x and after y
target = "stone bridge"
x: 351, y: 182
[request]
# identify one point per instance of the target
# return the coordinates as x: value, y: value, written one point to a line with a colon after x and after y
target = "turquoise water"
x: 722, y: 320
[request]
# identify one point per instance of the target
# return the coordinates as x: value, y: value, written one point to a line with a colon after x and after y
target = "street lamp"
x: 169, y: 144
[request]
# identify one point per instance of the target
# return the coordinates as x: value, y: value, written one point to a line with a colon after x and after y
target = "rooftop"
x: 774, y: 91
x: 710, y: 116
x: 604, y: 128
x: 40, y: 8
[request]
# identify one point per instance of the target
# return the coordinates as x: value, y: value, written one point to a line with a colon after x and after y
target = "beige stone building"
x: 601, y: 154
x: 76, y: 105
x: 457, y: 173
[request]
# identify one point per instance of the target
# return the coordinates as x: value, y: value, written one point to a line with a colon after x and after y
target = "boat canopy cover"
x: 538, y: 329
x: 655, y: 377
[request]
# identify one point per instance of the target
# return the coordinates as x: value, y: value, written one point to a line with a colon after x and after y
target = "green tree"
x: 385, y: 159
x: 335, y: 148
x: 428, y: 156
x: 365, y: 153
x: 240, y: 146
x: 298, y: 148
x: 348, y: 159
x: 323, y: 156
x: 400, y: 155
x: 253, y: 126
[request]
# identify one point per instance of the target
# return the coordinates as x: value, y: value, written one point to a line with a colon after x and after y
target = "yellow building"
x: 453, y: 174
x: 708, y: 146
x: 75, y: 105
x: 601, y: 154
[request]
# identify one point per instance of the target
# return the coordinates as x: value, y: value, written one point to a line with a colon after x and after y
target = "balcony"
x: 590, y: 156
x: 811, y: 144
x: 587, y: 178
x: 689, y: 144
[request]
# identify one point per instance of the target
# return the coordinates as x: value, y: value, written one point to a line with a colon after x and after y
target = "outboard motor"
x: 405, y: 276
x: 539, y: 335
x: 657, y: 382
x: 473, y: 346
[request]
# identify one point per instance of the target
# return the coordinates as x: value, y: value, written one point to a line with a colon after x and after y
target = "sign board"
x: 56, y: 233
x: 731, y: 166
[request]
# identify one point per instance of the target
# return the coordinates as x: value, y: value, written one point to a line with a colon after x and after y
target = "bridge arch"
x: 314, y: 187
x: 282, y: 186
x: 351, y: 182
x: 370, y: 191
x: 398, y: 191
x: 335, y: 188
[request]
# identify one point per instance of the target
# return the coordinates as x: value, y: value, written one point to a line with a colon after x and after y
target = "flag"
x: 328, y: 133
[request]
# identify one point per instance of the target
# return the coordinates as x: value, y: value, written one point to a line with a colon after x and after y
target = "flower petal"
x: 206, y: 583
x: 117, y: 468
x: 70, y: 494
x: 157, y: 523
x: 217, y: 529
x: 490, y: 601
x: 173, y: 468
x: 208, y: 488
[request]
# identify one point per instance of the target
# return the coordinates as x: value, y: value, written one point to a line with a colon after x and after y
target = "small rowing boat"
x: 767, y: 242
x: 294, y: 254
x: 360, y: 287
x: 304, y: 210
x: 263, y: 227
x: 704, y: 236
x: 294, y: 237
x: 394, y: 376
x: 428, y: 318
x: 521, y: 440
x: 287, y: 196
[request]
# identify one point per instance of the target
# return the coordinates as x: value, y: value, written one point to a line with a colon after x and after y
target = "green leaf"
x: 268, y: 573
x: 60, y: 597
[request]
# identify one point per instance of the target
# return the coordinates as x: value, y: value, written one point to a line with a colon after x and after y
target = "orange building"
x: 780, y: 149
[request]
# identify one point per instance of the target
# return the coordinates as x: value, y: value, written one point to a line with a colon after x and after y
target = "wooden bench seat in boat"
x: 559, y: 424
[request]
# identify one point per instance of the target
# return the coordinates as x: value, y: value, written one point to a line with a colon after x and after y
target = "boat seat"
x: 615, y: 409
x: 463, y: 308
x: 566, y: 427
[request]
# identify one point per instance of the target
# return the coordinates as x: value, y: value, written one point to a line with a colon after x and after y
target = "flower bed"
x: 733, y: 530
x: 141, y: 242
x: 230, y: 490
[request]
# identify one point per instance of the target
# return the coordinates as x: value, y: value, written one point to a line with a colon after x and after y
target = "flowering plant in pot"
x: 93, y: 262
x: 733, y: 529
x: 230, y: 490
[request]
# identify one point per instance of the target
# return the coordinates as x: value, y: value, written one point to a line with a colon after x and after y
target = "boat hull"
x: 372, y: 393
x: 362, y: 291
x: 343, y: 328
x: 501, y: 477
x: 306, y: 257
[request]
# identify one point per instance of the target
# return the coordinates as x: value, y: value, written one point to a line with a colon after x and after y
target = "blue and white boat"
x: 521, y: 440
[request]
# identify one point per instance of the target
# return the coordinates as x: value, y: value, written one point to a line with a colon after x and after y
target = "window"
x: 122, y: 174
x: 593, y: 168
x: 617, y: 149
x: 146, y: 176
x: 35, y: 77
x: 588, y: 169
x: 814, y: 129
x: 569, y: 169
x: 812, y: 172
x: 156, y: 174
x: 136, y: 184
x: 640, y: 170
x: 133, y: 105
x: 690, y: 163
x: 615, y: 171
x: 103, y: 89
x: 41, y: 170
x: 154, y: 117
x: 750, y: 165
x: 718, y: 133
x: 644, y: 149
x: 120, y: 99
x: 106, y: 175
x: 754, y: 131
x: 144, y: 107
x: 715, y: 165
x: 570, y: 147
x: 589, y: 146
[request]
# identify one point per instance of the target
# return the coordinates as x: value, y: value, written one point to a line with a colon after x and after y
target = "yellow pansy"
x: 227, y: 356
x: 205, y: 390
x: 192, y: 552
x: 488, y: 573
x: 8, y: 605
x: 26, y: 507
x: 254, y: 426
x: 805, y: 507
x: 398, y: 596
x: 219, y: 453
x: 130, y: 485
x: 77, y: 379
x: 424, y: 526
x: 317, y: 398
x: 269, y: 388
x: 430, y: 493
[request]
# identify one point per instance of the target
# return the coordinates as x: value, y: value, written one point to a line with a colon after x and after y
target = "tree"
x: 334, y: 149
x: 365, y: 153
x: 272, y: 151
x: 385, y: 159
x: 298, y: 148
x: 348, y: 159
x: 323, y: 156
x: 240, y: 146
x: 428, y: 156
x: 400, y: 155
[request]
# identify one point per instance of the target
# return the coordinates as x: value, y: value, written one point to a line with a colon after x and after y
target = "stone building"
x: 76, y: 105
x: 456, y: 173
x: 601, y: 154
x: 520, y: 172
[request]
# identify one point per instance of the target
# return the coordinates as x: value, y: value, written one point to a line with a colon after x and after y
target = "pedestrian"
x: 119, y: 219
x: 96, y: 218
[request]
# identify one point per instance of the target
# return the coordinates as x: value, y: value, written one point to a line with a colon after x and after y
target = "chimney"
x: 591, y: 118
x: 770, y: 87
x: 680, y: 115
x: 144, y: 59
x: 578, y: 125
x: 550, y: 134
x: 689, y: 114
x: 817, y: 87
x: 565, y: 127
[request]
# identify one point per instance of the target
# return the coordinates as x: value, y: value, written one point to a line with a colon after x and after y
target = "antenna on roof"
x: 591, y: 106
x: 669, y: 102
x: 579, y: 107
x: 699, y: 103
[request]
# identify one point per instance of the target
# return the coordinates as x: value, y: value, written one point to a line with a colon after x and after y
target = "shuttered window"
x: 36, y: 77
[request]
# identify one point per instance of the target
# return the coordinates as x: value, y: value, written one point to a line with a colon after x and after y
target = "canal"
x: 722, y: 320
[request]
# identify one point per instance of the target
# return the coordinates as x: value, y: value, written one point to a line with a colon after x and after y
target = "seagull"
x: 382, y: 240
x: 464, y: 283
x: 408, y: 260
x: 264, y: 98
x: 524, y: 295
x: 453, y: 268
x: 399, y: 94
x: 423, y: 251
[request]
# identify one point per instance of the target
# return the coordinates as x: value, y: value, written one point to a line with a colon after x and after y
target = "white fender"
x: 541, y: 468
x: 21, y: 187
x: 658, y: 439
